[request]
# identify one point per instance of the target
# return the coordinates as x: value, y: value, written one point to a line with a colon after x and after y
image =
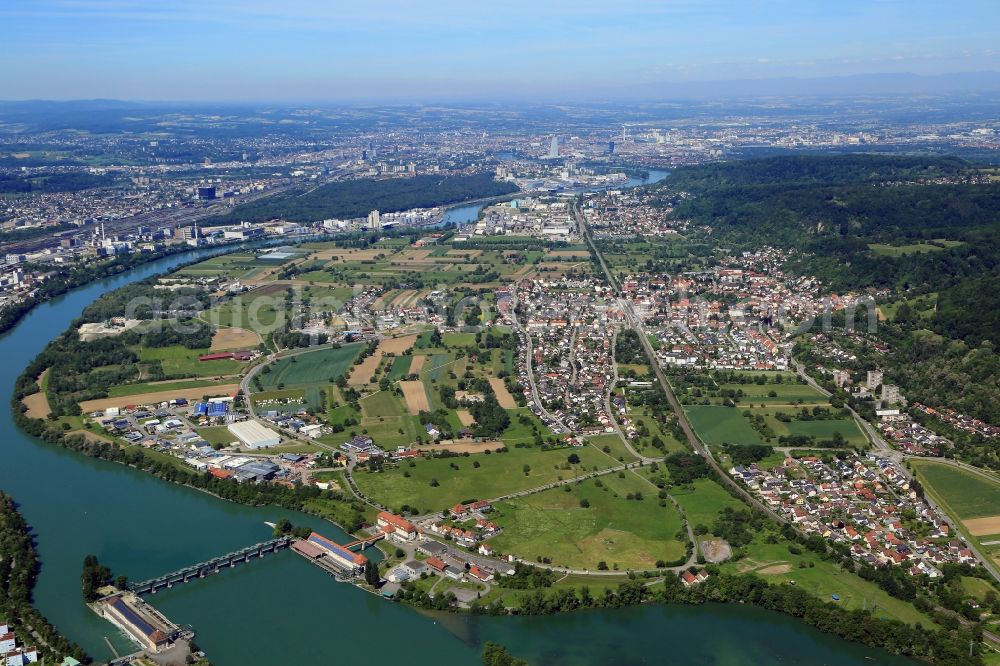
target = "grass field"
x: 498, y: 474
x: 619, y: 531
x: 704, y: 503
x: 137, y: 389
x: 784, y: 393
x: 886, y: 250
x: 721, y: 425
x: 400, y: 368
x: 616, y: 448
x: 178, y: 360
x: 966, y: 494
x: 219, y: 435
x: 458, y: 339
x: 822, y: 579
x: 317, y: 367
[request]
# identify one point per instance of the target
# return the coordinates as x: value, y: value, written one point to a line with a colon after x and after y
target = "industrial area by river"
x: 284, y: 610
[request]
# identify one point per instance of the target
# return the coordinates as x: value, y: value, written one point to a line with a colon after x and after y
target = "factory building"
x: 254, y: 435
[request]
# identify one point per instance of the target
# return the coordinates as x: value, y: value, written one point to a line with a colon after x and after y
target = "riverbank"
x: 893, y: 636
x: 18, y: 574
x: 79, y: 276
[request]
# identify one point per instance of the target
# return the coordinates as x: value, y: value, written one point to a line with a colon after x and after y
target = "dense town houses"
x: 864, y: 502
x: 572, y: 328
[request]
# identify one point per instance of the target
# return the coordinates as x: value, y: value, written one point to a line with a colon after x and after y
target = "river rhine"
x: 281, y: 609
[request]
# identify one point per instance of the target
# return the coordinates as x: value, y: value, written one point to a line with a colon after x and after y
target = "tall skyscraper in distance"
x: 374, y: 220
x: 554, y: 146
x: 611, y: 147
x: 623, y: 133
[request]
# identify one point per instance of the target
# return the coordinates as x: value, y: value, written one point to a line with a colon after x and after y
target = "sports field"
x: 317, y: 367
x: 721, y: 425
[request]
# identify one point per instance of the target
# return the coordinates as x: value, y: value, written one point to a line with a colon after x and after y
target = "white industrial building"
x: 254, y: 435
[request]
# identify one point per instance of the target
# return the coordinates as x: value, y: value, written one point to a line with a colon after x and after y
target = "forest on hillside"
x: 356, y: 198
x: 852, y: 218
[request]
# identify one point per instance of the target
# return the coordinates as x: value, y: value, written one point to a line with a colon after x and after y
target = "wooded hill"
x: 356, y: 198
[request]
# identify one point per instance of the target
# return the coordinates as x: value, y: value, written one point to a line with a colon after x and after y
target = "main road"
x: 528, y: 360
x: 692, y: 438
x: 636, y: 325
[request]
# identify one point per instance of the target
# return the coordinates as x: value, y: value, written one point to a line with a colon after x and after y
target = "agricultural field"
x: 497, y: 474
x: 783, y: 393
x: 400, y: 368
x: 261, y: 311
x: 718, y: 425
x: 239, y: 265
x: 624, y: 533
x: 226, y: 338
x: 968, y: 495
x: 826, y: 429
x: 757, y: 408
x: 316, y: 367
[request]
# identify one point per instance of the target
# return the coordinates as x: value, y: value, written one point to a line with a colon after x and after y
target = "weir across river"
x: 212, y: 566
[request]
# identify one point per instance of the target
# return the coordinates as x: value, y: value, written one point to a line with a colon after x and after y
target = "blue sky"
x: 449, y: 49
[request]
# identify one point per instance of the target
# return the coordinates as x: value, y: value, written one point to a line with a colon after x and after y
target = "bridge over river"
x: 212, y: 566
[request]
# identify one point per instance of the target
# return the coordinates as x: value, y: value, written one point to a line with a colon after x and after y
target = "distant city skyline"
x: 309, y: 50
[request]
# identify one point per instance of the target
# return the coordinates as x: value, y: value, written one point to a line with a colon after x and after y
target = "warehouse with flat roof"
x: 254, y: 435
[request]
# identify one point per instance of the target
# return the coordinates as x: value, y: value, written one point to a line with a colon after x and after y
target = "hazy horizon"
x: 306, y: 50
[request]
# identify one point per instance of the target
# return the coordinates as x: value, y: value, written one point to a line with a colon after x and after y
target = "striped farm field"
x: 504, y: 397
x: 416, y: 396
x: 417, y: 364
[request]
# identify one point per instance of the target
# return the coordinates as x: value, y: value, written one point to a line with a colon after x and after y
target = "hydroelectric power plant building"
x: 321, y: 550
